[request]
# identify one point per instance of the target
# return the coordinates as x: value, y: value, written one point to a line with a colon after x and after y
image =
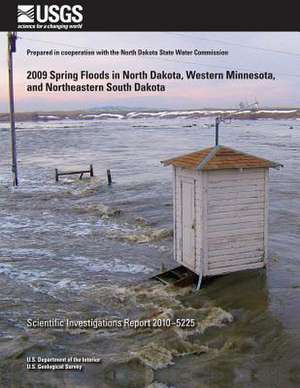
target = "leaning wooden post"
x: 91, y: 170
x: 11, y: 36
x: 109, y: 180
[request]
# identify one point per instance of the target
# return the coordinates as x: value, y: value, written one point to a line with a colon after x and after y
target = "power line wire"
x: 235, y: 44
x: 58, y: 43
x: 163, y: 59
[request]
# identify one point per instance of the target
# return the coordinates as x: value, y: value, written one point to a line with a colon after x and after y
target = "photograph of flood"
x: 91, y: 226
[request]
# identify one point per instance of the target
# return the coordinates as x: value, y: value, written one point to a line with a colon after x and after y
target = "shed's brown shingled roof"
x: 219, y: 158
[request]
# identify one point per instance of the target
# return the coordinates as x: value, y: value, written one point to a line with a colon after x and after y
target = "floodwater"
x: 82, y: 250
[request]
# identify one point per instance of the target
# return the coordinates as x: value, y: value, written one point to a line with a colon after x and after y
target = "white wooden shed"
x: 220, y: 210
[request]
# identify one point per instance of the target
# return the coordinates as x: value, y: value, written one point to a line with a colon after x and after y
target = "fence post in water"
x: 91, y: 170
x: 56, y: 175
x: 109, y: 180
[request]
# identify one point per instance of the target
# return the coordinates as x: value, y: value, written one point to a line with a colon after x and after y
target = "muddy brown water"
x: 82, y: 250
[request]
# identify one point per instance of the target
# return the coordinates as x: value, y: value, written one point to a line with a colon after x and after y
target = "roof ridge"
x: 212, y: 153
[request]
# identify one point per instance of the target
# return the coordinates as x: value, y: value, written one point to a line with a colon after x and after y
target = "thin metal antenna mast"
x: 221, y: 118
x: 11, y: 46
x: 218, y: 120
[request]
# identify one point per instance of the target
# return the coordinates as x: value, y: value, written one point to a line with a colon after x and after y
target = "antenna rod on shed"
x: 221, y: 118
x: 11, y: 46
x: 218, y: 120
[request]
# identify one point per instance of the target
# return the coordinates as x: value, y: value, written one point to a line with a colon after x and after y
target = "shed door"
x: 188, y: 222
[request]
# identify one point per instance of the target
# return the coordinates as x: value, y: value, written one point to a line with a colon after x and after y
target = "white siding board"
x: 232, y: 174
x: 235, y: 214
x: 234, y: 205
x: 219, y: 178
x: 233, y: 263
x: 255, y: 200
x: 236, y: 183
x: 238, y: 219
x: 237, y: 207
x: 220, y: 250
x: 230, y: 232
x: 233, y: 228
x: 232, y: 241
x: 230, y: 185
x: 242, y: 247
x: 235, y: 268
x: 258, y: 253
x: 237, y: 194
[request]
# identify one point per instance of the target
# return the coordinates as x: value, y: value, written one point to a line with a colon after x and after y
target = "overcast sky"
x: 285, y: 91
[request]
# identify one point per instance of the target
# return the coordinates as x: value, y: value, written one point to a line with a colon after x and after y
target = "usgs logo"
x: 50, y: 13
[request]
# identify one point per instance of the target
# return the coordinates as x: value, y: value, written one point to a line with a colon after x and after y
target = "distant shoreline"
x: 279, y: 113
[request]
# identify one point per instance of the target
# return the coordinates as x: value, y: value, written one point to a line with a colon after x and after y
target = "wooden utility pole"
x: 11, y: 40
